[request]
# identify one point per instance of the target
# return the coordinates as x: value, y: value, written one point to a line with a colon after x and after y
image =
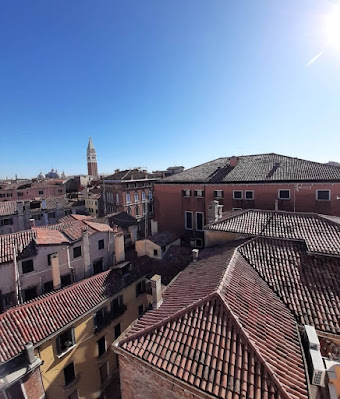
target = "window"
x: 6, y: 222
x: 27, y: 266
x: 118, y: 330
x: 101, y: 244
x: 249, y: 195
x: 150, y: 195
x: 186, y: 193
x: 49, y: 259
x: 199, y: 242
x: 284, y: 194
x: 188, y: 220
x: 128, y: 210
x: 9, y: 194
x: 143, y: 196
x: 65, y: 341
x: 137, y: 210
x: 48, y: 287
x: 69, y: 374
x: 8, y: 299
x: 155, y: 252
x: 140, y: 309
x: 117, y: 198
x: 218, y: 193
x: 30, y: 293
x: 199, y: 221
x: 20, y: 194
x: 76, y: 252
x: 101, y: 346
x: 136, y: 197
x: 128, y: 198
x: 60, y: 190
x: 14, y: 392
x: 237, y: 194
x: 199, y: 193
x: 144, y: 209
x: 51, y: 215
x: 323, y: 195
x: 117, y: 307
x: 100, y: 320
x: 104, y: 372
x: 140, y: 288
x: 41, y: 192
x: 66, y: 279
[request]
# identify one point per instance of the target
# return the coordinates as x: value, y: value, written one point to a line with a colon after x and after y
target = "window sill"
x: 59, y: 356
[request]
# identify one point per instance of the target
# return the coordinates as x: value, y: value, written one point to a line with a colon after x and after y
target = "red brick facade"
x: 171, y: 204
x: 30, y: 386
x: 140, y: 381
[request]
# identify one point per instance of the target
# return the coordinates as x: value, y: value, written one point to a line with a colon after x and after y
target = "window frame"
x: 70, y: 383
x: 76, y: 248
x: 321, y: 199
x: 127, y: 198
x: 140, y: 288
x: 196, y: 220
x: 196, y: 193
x: 186, y: 193
x: 279, y: 192
x: 185, y: 220
x: 99, y: 346
x: 30, y: 261
x: 101, y: 244
x: 216, y: 196
x: 62, y: 349
x: 136, y: 196
x: 237, y: 191
x: 252, y: 195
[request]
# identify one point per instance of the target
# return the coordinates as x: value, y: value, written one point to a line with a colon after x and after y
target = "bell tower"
x: 92, y: 168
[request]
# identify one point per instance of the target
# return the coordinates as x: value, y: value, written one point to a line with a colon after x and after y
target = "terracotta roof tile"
x: 256, y: 168
x: 320, y: 234
x: 23, y: 241
x: 39, y: 318
x: 230, y: 336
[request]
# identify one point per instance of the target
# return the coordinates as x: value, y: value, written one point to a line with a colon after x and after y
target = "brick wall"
x: 140, y: 382
x: 33, y: 385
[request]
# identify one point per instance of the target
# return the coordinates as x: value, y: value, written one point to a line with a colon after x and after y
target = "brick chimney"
x: 156, y: 288
x: 55, y: 271
x: 233, y: 161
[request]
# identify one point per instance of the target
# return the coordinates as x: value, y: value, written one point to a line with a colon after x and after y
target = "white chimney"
x: 156, y: 288
x: 55, y: 271
x: 195, y: 253
x: 119, y: 247
x: 30, y: 353
x: 214, y: 211
x: 32, y: 222
x: 86, y: 253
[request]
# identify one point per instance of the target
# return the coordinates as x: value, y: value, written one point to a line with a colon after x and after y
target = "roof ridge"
x: 253, y: 345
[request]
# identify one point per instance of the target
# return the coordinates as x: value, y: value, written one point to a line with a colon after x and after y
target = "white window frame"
x: 136, y: 197
x: 186, y: 193
x: 117, y: 198
x: 196, y: 192
x: 202, y: 213
x: 218, y: 194
x: 185, y: 220
x: 283, y: 189
x: 143, y: 196
x: 239, y: 191
x: 237, y: 209
x: 318, y: 199
x: 245, y: 195
x: 128, y: 198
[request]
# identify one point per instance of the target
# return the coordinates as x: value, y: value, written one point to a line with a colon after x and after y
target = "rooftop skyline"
x: 158, y: 84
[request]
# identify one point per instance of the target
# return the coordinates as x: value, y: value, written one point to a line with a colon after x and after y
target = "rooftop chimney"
x: 119, y: 247
x: 55, y: 271
x: 30, y: 353
x: 156, y: 288
x: 195, y: 253
x: 233, y: 161
x: 32, y: 223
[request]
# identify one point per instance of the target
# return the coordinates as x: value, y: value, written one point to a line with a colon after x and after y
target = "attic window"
x: 284, y: 194
x: 186, y: 192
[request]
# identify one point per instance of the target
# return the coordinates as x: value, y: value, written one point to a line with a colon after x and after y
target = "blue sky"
x: 157, y: 83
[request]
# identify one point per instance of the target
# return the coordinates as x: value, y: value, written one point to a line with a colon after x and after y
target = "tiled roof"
x: 52, y: 203
x: 320, y: 234
x: 130, y: 174
x: 73, y: 228
x: 23, y: 240
x: 308, y: 285
x: 257, y: 168
x: 46, y: 315
x: 162, y: 239
x: 229, y: 337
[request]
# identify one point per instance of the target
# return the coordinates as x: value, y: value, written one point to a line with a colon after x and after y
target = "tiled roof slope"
x: 8, y: 208
x: 308, y: 285
x: 23, y: 241
x: 230, y: 337
x: 73, y: 228
x: 320, y: 234
x: 253, y: 168
x: 42, y: 317
x: 164, y: 238
x: 130, y: 174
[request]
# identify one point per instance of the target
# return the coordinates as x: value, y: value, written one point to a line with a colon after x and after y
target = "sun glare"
x: 332, y: 29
